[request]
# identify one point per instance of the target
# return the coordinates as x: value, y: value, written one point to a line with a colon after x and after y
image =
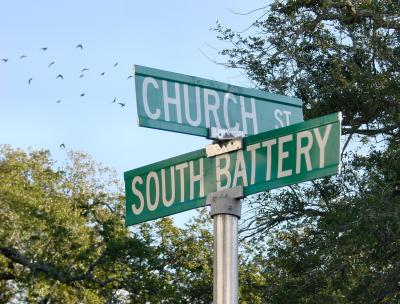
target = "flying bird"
x: 102, y: 74
x: 62, y: 146
x: 81, y: 76
x: 129, y: 77
x: 58, y: 101
x: 60, y: 76
x: 84, y: 70
x: 115, y: 99
x: 23, y: 56
x: 79, y: 46
x: 51, y: 63
x: 4, y: 59
x: 43, y: 49
x: 83, y: 94
x: 30, y: 80
x: 115, y: 64
x: 122, y: 104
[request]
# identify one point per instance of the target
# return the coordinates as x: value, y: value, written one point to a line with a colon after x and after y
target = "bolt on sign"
x: 268, y: 160
x: 188, y: 104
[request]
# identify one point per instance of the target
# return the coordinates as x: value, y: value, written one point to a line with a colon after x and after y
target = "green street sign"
x: 268, y: 160
x: 188, y: 104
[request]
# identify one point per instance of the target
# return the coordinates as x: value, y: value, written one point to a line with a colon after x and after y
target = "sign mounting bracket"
x: 224, y: 141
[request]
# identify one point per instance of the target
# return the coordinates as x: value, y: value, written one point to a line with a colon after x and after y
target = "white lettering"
x: 282, y: 155
x: 171, y: 100
x: 249, y: 115
x: 152, y: 205
x: 223, y: 171
x: 278, y: 113
x: 197, y: 121
x: 211, y: 107
x: 269, y: 144
x: 146, y: 82
x: 252, y: 149
x: 303, y: 150
x: 137, y: 179
x: 240, y: 169
x: 229, y: 97
x: 167, y: 202
x: 322, y: 143
x: 196, y: 178
x: 287, y: 114
x: 181, y: 168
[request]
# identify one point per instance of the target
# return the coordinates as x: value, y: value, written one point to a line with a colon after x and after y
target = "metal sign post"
x: 225, y: 211
x: 274, y: 154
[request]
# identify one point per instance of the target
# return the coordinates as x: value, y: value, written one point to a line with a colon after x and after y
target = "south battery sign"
x: 268, y: 160
x: 188, y: 104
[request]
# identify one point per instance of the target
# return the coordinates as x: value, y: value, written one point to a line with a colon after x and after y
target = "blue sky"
x: 170, y: 35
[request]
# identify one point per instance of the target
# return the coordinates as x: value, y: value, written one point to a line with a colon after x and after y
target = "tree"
x: 62, y: 239
x: 335, y: 240
x: 56, y: 227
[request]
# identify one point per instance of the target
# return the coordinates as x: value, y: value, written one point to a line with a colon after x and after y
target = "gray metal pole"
x: 225, y: 288
x: 225, y: 211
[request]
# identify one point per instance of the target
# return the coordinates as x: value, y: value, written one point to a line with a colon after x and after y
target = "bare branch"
x: 345, y: 145
x: 57, y: 273
x: 249, y: 12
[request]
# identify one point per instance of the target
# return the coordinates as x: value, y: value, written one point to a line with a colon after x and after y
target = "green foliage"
x: 62, y: 239
x: 334, y: 55
x: 334, y: 240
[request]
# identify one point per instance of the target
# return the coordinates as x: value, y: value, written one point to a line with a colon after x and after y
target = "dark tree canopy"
x: 334, y: 240
x: 334, y: 55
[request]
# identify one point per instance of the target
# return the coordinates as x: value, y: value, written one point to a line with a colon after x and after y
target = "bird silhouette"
x: 122, y: 104
x: 79, y: 46
x: 115, y: 99
x: 84, y: 70
x: 43, y: 49
x: 51, y: 63
x: 58, y: 101
x: 22, y: 56
x: 4, y: 59
x: 30, y: 80
x: 60, y: 76
x: 115, y: 64
x: 102, y: 74
x: 62, y: 146
x: 81, y: 76
x: 83, y: 94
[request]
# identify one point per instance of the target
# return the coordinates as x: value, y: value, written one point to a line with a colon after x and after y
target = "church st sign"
x: 188, y: 104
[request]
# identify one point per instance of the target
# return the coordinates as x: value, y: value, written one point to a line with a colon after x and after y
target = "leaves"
x: 62, y: 239
x: 312, y: 50
x: 333, y: 240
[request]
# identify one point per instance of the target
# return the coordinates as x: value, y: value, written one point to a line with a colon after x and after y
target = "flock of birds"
x: 61, y: 77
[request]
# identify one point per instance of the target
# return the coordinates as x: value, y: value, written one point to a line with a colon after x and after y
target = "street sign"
x: 188, y: 104
x: 268, y: 160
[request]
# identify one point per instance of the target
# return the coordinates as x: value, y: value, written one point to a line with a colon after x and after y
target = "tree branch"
x: 51, y: 271
x: 6, y: 276
x: 370, y: 132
